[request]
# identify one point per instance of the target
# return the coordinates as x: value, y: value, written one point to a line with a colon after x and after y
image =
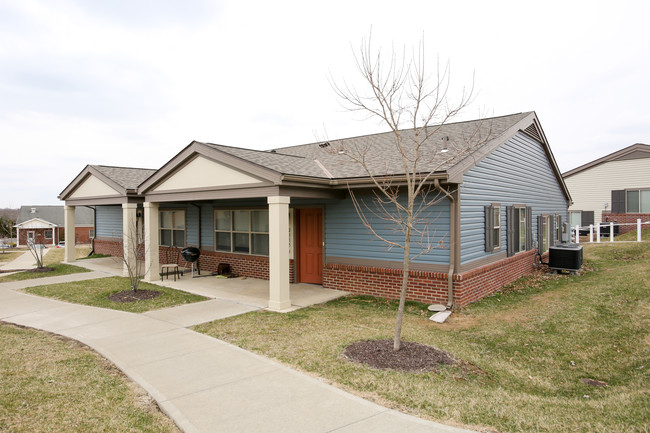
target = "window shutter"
x: 618, y: 201
x: 489, y: 223
x: 551, y: 230
x: 540, y: 233
x: 511, y: 224
x: 587, y: 218
x: 529, y: 228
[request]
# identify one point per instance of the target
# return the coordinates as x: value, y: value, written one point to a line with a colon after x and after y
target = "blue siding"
x: 109, y: 221
x: 517, y: 172
x: 345, y: 235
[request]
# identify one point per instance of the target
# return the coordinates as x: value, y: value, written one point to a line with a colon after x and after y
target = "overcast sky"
x: 130, y: 83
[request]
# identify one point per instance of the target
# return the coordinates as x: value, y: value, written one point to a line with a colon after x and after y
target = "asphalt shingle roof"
x: 126, y: 177
x: 55, y: 214
x: 380, y: 152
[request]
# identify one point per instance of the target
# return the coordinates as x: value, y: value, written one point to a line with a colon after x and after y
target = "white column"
x: 279, y: 293
x: 577, y: 234
x: 129, y: 238
x: 17, y: 237
x: 53, y: 235
x: 151, y: 242
x: 70, y: 249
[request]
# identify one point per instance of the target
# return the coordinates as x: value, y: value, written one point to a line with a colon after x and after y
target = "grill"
x: 191, y: 254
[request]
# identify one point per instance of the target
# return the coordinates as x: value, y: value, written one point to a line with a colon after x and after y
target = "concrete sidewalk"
x: 204, y: 384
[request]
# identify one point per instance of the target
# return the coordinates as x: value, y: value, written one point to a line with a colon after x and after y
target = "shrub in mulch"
x: 412, y: 357
x: 132, y: 296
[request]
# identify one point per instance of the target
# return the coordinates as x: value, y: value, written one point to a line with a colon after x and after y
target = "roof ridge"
x: 125, y: 168
x: 405, y: 129
x: 266, y: 152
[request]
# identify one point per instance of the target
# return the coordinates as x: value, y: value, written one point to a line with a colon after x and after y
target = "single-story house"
x: 44, y: 225
x: 288, y: 214
x: 614, y: 188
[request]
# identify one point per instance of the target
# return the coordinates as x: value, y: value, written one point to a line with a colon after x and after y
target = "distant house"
x: 44, y: 225
x: 615, y: 187
x: 286, y: 215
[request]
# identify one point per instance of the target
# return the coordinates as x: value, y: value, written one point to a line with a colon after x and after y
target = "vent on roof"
x: 323, y: 145
x: 534, y: 132
x: 33, y: 210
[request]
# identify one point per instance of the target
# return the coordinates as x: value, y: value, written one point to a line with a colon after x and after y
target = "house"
x: 44, y: 225
x: 614, y: 188
x: 287, y: 215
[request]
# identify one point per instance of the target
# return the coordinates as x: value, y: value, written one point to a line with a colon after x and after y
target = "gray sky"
x: 130, y: 83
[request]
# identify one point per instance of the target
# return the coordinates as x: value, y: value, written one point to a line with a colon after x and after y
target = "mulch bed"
x: 39, y: 270
x: 130, y: 296
x: 412, y: 357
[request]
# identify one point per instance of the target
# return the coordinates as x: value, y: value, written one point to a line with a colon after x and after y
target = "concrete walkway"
x: 204, y: 384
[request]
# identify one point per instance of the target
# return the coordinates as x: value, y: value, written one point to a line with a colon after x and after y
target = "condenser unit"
x: 565, y: 257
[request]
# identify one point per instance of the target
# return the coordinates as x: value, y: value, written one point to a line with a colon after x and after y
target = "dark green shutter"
x: 489, y: 223
x: 511, y: 225
x: 587, y: 218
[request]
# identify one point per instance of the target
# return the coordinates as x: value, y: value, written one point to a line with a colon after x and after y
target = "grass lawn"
x: 9, y: 256
x: 96, y: 292
x: 52, y: 259
x: 53, y: 384
x: 529, y: 346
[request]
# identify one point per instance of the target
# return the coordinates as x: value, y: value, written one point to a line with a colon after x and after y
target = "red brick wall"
x: 111, y: 246
x: 39, y: 236
x: 429, y: 287
x: 626, y: 218
x: 82, y: 235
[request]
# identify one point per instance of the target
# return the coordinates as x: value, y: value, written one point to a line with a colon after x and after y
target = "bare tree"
x: 133, y: 256
x: 400, y: 93
x: 37, y: 251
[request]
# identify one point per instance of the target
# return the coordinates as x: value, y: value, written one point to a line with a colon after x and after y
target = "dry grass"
x: 53, y: 384
x: 9, y: 256
x: 531, y: 346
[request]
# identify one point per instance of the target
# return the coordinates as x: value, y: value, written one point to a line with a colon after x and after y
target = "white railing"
x: 575, y: 232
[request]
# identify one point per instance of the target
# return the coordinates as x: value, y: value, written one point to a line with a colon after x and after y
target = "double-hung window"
x: 242, y: 231
x: 172, y: 228
x: 493, y: 227
x: 519, y: 225
x: 637, y: 201
x: 544, y: 232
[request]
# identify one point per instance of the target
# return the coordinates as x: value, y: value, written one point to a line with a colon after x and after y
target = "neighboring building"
x: 287, y: 215
x: 44, y: 225
x: 614, y: 188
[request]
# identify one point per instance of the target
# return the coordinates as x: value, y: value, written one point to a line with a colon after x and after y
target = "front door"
x: 310, y: 245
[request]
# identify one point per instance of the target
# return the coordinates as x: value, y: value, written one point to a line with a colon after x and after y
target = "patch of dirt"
x: 412, y: 357
x: 594, y: 382
x: 130, y: 296
x: 39, y: 270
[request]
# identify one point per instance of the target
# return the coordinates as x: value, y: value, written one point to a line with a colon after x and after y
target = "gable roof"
x: 124, y: 180
x: 635, y: 151
x: 54, y: 215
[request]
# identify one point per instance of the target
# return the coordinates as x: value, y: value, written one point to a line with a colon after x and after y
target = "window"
x: 242, y: 231
x: 493, y: 228
x: 558, y: 228
x: 172, y: 228
x: 91, y: 233
x: 48, y: 234
x: 637, y: 201
x: 544, y: 232
x: 519, y: 225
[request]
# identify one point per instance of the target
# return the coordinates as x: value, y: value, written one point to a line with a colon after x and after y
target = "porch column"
x: 279, y: 297
x: 129, y: 238
x: 70, y: 249
x: 151, y: 243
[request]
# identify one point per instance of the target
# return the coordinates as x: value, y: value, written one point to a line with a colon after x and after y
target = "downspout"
x: 452, y: 244
x: 92, y: 241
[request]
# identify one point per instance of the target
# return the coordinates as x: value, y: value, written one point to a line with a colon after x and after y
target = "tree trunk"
x: 397, y: 341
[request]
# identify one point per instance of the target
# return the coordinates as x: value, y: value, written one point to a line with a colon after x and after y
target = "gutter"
x: 452, y: 244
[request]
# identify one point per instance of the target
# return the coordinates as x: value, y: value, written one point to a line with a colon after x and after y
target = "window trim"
x: 514, y: 228
x: 232, y: 231
x: 638, y: 191
x: 545, y: 220
x: 172, y: 229
x: 491, y: 226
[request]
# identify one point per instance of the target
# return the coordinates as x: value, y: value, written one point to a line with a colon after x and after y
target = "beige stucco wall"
x: 592, y: 188
x: 93, y: 187
x: 203, y: 173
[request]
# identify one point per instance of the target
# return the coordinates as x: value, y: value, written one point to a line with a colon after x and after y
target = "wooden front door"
x: 310, y: 245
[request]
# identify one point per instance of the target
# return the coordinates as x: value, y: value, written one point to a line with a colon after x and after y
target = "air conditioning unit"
x: 565, y: 257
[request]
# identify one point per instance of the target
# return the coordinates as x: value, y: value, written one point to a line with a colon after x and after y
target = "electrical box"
x: 565, y: 257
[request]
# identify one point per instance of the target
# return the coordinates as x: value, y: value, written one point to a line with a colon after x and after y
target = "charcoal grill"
x: 191, y: 255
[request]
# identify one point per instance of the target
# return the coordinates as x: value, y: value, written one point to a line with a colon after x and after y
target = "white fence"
x: 605, y: 230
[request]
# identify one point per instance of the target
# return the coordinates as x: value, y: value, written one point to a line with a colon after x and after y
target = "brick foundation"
x: 110, y: 246
x: 626, y: 218
x: 429, y: 287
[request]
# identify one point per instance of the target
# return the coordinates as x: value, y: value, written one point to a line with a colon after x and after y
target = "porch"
x: 250, y: 292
